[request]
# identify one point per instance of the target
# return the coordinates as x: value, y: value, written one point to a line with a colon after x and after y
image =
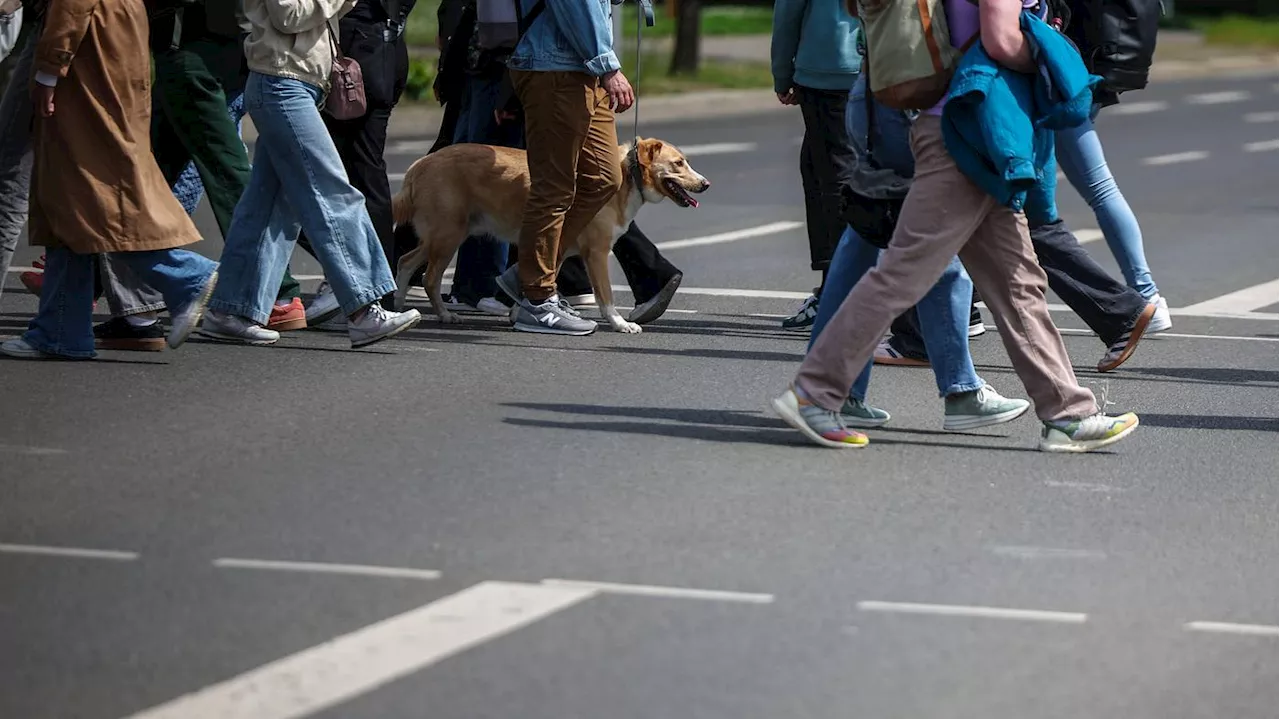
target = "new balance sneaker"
x: 375, y: 323
x: 885, y: 354
x: 1122, y: 349
x: 183, y: 322
x: 1161, y: 322
x: 553, y: 317
x: 802, y: 320
x: 324, y: 307
x: 118, y: 333
x: 288, y: 317
x: 857, y: 413
x: 982, y: 407
x: 1087, y: 434
x: 233, y: 328
x: 821, y: 426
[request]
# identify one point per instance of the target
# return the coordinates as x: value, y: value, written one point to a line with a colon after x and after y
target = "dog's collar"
x: 633, y: 166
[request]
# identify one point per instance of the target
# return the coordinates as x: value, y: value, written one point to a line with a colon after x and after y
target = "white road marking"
x: 1261, y: 630
x: 1217, y: 98
x: 1175, y: 158
x: 653, y: 591
x: 957, y: 610
x: 74, y: 552
x: 34, y: 451
x: 1087, y: 236
x: 1176, y: 335
x: 1082, y: 486
x: 341, y: 669
x: 395, y: 176
x: 1249, y: 298
x: 732, y: 292
x: 1186, y: 312
x: 410, y: 147
x: 326, y: 568
x: 1138, y: 108
x: 772, y: 228
x: 1262, y: 146
x: 1046, y: 553
x: 717, y: 148
x: 1262, y: 116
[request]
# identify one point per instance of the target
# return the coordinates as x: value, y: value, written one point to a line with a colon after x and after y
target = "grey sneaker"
x: 375, y: 324
x: 233, y: 328
x: 857, y: 413
x: 553, y: 317
x: 820, y: 426
x: 324, y: 307
x: 1086, y: 434
x: 982, y: 407
x: 509, y: 283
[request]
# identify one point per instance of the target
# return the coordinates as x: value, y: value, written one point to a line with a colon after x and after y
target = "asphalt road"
x: 420, y: 495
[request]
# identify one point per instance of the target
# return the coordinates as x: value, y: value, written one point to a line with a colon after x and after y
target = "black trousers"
x: 646, y: 269
x: 384, y: 62
x: 826, y: 163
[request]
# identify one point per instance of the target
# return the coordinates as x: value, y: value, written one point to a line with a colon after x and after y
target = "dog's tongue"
x: 693, y: 202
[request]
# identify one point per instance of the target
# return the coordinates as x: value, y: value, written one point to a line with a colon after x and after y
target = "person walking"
x: 15, y: 133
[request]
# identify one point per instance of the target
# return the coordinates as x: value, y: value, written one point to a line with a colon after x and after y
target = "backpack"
x: 1117, y: 39
x: 500, y: 23
x: 909, y: 52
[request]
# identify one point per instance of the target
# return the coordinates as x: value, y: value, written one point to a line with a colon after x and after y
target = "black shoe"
x: 652, y: 308
x: 117, y: 334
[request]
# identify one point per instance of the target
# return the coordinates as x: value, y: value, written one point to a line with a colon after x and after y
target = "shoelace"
x: 567, y: 308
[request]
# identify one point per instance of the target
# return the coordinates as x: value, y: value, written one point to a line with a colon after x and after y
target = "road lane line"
x: 1082, y: 486
x: 958, y: 610
x: 1174, y: 335
x: 1217, y: 98
x: 1261, y: 630
x: 1262, y: 146
x: 1175, y: 158
x: 35, y: 451
x: 395, y: 176
x: 367, y: 570
x: 1260, y: 116
x: 1086, y: 236
x: 1020, y: 552
x: 1242, y: 300
x: 72, y: 552
x: 717, y: 148
x: 1138, y: 108
x: 731, y: 292
x: 655, y: 591
x: 747, y: 233
x: 341, y: 669
x: 410, y: 147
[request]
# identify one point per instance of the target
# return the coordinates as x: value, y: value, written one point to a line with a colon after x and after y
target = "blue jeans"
x: 64, y: 324
x: 944, y: 311
x: 1079, y: 152
x: 482, y: 257
x: 298, y: 182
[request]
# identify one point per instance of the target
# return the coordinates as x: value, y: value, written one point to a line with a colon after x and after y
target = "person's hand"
x: 789, y: 97
x: 621, y: 96
x: 42, y: 100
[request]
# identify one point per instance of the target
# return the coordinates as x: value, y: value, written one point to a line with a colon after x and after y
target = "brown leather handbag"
x: 346, y: 99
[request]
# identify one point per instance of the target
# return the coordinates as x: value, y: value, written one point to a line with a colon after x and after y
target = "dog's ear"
x: 652, y: 148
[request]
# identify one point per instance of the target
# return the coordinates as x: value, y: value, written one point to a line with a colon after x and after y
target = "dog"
x: 470, y: 189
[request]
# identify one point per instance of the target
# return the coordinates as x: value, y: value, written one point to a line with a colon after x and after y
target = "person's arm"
x: 294, y: 16
x: 1002, y: 36
x: 590, y: 30
x: 788, y: 16
x: 65, y: 25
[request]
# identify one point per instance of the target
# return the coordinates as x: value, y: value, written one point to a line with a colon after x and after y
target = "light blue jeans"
x: 944, y: 311
x: 63, y: 325
x: 1079, y: 152
x: 298, y: 182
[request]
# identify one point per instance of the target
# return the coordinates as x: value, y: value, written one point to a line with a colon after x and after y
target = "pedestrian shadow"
x: 1205, y: 421
x: 1214, y: 375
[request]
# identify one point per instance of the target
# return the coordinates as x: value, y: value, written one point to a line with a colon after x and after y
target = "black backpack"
x: 1117, y: 39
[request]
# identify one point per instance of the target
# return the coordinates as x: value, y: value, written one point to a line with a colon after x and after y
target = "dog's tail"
x: 402, y: 204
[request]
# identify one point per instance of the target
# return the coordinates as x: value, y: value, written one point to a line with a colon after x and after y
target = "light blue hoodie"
x: 814, y: 45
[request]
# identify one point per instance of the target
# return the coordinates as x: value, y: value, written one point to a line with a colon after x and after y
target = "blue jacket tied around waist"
x: 998, y: 123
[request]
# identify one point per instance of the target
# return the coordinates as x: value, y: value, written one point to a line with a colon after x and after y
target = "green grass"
x: 1240, y: 31
x: 712, y: 75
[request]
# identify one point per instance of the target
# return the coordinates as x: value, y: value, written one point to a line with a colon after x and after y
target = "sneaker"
x: 19, y: 349
x: 976, y: 328
x: 1087, y: 434
x: 324, y: 307
x: 509, y: 283
x: 376, y: 323
x: 885, y: 354
x: 183, y: 322
x: 554, y: 316
x: 1161, y: 322
x: 857, y: 413
x: 118, y: 334
x: 982, y: 407
x: 821, y: 426
x: 578, y: 301
x: 802, y: 321
x: 34, y: 281
x: 1122, y: 349
x: 653, y: 308
x: 492, y: 306
x: 285, y: 318
x: 453, y: 304
x: 233, y: 328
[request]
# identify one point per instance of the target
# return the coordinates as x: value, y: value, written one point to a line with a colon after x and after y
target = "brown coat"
x: 95, y: 186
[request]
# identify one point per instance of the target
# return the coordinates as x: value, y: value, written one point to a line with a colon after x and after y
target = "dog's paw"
x: 449, y: 318
x: 629, y: 328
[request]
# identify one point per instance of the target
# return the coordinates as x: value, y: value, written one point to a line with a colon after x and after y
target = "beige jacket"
x: 290, y: 38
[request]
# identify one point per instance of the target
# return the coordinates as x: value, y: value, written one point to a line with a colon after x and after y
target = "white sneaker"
x: 233, y: 328
x: 19, y: 349
x: 376, y: 323
x: 323, y: 307
x: 453, y: 304
x: 1160, y: 322
x: 577, y: 301
x: 492, y: 306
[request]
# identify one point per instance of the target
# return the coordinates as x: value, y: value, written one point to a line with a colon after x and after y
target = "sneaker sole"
x: 1135, y: 336
x: 288, y: 325
x: 147, y: 345
x: 863, y: 422
x: 541, y: 330
x: 176, y: 337
x: 977, y: 330
x: 798, y: 328
x: 511, y: 292
x: 784, y: 407
x: 235, y: 339
x: 656, y: 307
x: 899, y: 361
x: 387, y: 336
x: 960, y: 423
x: 1087, y: 446
x: 323, y: 317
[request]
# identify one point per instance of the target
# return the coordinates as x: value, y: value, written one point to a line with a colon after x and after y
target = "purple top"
x: 964, y: 23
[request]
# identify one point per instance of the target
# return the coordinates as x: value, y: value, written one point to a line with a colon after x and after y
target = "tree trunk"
x: 684, y: 59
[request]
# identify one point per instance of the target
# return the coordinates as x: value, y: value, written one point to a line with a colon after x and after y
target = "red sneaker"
x: 284, y: 318
x: 33, y: 281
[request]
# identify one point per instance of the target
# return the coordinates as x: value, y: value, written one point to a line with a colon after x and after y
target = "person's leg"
x: 15, y: 152
x: 63, y: 326
x: 652, y: 278
x: 599, y: 171
x: 481, y: 258
x: 1079, y: 151
x: 943, y: 314
x: 178, y: 275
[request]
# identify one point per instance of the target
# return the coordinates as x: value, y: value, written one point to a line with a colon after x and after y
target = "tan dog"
x: 469, y: 189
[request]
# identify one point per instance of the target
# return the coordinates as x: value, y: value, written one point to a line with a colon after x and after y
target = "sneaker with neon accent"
x: 821, y: 426
x: 982, y: 407
x: 857, y: 413
x: 1086, y: 434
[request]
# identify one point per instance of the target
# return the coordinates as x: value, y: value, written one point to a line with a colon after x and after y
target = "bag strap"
x: 333, y: 37
x: 524, y: 21
x: 871, y: 111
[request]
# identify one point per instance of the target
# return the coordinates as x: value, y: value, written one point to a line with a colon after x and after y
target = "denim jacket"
x: 570, y: 35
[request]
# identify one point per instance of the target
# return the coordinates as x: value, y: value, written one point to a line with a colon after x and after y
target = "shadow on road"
x: 1203, y: 421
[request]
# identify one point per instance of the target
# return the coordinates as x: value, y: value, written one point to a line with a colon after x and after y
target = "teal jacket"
x: 814, y: 45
